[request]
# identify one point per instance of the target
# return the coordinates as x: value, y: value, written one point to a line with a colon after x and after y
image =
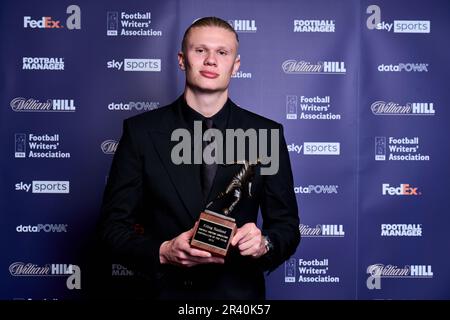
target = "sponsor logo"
x: 321, y: 67
x: 126, y: 24
x: 243, y: 25
x: 401, y: 230
x: 134, y: 106
x: 290, y: 270
x: 42, y: 63
x: 314, y: 26
x: 21, y: 269
x: 403, y: 67
x: 42, y: 228
x: 374, y: 22
x: 321, y: 148
x: 317, y: 189
x: 109, y: 146
x: 378, y: 271
x: 73, y: 21
x: 44, y: 187
x: 322, y: 231
x: 152, y: 65
x: 404, y: 189
x: 316, y: 148
x: 51, y: 105
x: 311, y: 108
x: 39, y: 146
x: 118, y: 270
x: 399, y: 149
x: 384, y: 108
x: 310, y: 271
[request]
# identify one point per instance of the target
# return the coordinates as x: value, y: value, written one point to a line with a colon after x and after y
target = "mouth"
x: 209, y: 74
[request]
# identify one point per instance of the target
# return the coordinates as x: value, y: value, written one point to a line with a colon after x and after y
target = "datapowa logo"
x: 42, y: 228
x: 317, y: 189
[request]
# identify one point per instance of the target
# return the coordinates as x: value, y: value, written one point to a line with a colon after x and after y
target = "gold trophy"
x: 215, y: 230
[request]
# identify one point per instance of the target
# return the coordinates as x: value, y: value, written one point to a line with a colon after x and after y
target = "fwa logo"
x: 290, y: 267
x: 378, y: 271
x: 398, y: 26
x: 313, y: 271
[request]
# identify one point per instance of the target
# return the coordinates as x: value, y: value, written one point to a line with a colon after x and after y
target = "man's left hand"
x: 249, y: 240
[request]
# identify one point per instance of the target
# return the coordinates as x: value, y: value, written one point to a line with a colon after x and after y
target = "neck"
x: 206, y: 103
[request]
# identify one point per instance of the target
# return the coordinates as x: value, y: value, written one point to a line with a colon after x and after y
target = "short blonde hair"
x: 208, y: 22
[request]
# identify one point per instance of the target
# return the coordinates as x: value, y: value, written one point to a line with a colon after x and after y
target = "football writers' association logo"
x: 380, y: 148
x: 291, y: 107
x: 289, y: 270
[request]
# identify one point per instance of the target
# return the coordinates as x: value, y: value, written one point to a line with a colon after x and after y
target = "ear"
x: 181, y: 61
x: 237, y: 64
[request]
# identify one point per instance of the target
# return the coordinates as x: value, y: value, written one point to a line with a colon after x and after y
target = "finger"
x: 244, y: 245
x: 188, y: 234
x: 252, y: 251
x: 198, y: 253
x: 200, y: 260
x: 240, y: 233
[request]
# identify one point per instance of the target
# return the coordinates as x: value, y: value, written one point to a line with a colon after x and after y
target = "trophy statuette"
x: 215, y: 230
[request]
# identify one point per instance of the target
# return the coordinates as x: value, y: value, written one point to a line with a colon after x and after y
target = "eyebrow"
x: 216, y: 48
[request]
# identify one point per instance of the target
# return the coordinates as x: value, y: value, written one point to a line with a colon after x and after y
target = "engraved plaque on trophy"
x: 215, y: 229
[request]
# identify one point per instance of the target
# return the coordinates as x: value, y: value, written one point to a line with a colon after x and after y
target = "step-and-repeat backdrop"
x: 361, y: 88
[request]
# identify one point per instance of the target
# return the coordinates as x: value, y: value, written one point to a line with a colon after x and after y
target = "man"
x: 146, y: 187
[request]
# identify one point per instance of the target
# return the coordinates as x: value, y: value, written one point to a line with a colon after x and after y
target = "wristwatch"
x: 268, y: 244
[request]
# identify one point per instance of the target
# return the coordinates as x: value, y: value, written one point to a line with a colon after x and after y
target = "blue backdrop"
x: 360, y: 87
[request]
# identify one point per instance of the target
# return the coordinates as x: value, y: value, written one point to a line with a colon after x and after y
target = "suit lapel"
x: 184, y: 177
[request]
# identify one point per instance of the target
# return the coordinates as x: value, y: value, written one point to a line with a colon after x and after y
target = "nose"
x: 210, y: 60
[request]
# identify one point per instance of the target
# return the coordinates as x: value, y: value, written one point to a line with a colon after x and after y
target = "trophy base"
x: 214, y: 233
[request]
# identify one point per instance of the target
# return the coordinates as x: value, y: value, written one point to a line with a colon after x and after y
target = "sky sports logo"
x: 44, y: 186
x: 152, y: 65
x: 374, y: 22
x: 316, y: 148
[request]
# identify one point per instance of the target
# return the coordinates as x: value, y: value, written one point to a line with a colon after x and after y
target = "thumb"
x: 188, y: 234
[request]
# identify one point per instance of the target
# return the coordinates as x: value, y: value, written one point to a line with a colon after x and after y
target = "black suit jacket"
x: 145, y: 187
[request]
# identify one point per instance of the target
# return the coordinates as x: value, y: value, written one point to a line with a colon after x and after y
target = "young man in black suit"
x: 147, y: 187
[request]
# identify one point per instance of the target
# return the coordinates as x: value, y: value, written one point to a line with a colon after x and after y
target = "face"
x: 210, y: 59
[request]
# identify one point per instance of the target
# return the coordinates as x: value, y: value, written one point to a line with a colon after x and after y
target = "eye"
x: 199, y: 50
x: 223, y: 52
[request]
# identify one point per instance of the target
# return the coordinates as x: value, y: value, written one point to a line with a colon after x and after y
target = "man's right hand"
x: 178, y: 251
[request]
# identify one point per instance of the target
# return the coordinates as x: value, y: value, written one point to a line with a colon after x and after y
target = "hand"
x: 178, y: 251
x: 249, y: 241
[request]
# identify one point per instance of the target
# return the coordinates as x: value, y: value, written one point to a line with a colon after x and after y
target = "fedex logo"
x: 43, y: 23
x: 404, y: 189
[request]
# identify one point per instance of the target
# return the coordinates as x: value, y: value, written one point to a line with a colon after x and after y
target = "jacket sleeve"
x: 121, y: 206
x: 279, y: 211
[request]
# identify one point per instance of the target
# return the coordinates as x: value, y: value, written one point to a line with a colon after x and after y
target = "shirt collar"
x: 220, y: 119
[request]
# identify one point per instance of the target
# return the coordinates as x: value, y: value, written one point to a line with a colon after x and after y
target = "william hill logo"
x: 322, y: 230
x: 378, y: 271
x: 109, y: 146
x: 243, y: 25
x: 293, y: 66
